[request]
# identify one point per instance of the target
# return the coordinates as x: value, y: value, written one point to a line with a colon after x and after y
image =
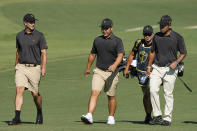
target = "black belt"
x: 163, y: 65
x: 30, y: 65
x: 104, y: 70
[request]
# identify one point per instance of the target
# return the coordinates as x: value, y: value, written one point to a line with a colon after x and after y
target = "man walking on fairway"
x: 109, y: 50
x: 31, y: 46
x: 141, y: 49
x: 163, y: 59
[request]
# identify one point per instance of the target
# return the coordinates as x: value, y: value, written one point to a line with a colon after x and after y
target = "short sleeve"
x: 181, y: 46
x: 120, y: 47
x: 43, y: 44
x: 94, y: 50
x: 17, y: 42
x: 153, y: 48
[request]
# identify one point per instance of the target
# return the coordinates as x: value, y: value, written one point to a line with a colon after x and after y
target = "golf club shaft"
x: 189, y: 89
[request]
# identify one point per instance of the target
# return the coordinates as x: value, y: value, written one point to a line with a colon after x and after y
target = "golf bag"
x: 132, y: 67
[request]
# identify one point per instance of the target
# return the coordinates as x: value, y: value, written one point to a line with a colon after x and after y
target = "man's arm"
x: 116, y: 63
x: 150, y: 62
x: 44, y: 62
x: 130, y: 59
x: 17, y: 57
x: 91, y: 59
x: 175, y: 63
x: 183, y: 53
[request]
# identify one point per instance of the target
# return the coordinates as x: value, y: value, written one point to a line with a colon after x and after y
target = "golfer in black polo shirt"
x: 31, y: 45
x: 108, y: 49
x: 163, y: 59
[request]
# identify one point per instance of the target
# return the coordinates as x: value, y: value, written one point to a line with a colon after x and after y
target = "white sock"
x: 111, y: 116
x: 89, y: 114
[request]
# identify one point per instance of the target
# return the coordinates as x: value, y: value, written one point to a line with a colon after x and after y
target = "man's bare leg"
x: 93, y: 101
x: 112, y: 105
x: 18, y: 105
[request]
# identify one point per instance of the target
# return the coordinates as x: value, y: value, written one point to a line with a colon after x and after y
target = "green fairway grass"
x: 70, y: 27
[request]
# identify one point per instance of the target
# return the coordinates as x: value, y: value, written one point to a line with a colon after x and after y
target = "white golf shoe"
x: 111, y: 120
x: 87, y: 119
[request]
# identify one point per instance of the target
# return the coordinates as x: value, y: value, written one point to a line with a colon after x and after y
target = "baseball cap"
x: 106, y: 23
x: 29, y: 18
x: 165, y: 20
x: 148, y: 30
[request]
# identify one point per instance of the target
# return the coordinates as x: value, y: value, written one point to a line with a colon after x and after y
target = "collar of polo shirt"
x: 111, y: 37
x: 29, y: 33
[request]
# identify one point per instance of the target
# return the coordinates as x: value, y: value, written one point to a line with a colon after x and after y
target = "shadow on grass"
x: 190, y: 122
x: 118, y: 121
x: 134, y: 122
x: 22, y: 122
x: 97, y: 122
x: 101, y: 122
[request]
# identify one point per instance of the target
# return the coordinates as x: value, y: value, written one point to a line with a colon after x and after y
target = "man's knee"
x: 145, y: 89
x: 147, y: 94
x: 111, y: 98
x: 153, y: 90
x: 20, y: 90
x: 35, y: 94
x: 168, y: 93
x: 95, y: 93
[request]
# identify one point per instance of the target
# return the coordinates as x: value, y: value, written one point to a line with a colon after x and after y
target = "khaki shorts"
x: 99, y: 78
x: 28, y: 77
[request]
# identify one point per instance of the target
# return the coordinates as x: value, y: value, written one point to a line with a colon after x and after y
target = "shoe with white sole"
x: 87, y: 119
x: 111, y: 120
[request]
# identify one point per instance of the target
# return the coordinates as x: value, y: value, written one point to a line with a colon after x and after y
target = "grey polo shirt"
x: 107, y: 50
x: 30, y: 46
x: 167, y: 47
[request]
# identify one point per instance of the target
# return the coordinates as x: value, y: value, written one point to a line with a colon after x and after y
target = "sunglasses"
x: 162, y: 26
x: 147, y: 34
x: 32, y: 22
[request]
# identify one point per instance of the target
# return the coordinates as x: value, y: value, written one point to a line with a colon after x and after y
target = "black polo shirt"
x: 167, y: 47
x: 30, y: 46
x: 107, y: 50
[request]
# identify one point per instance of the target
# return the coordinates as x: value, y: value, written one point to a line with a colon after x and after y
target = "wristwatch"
x: 149, y: 67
